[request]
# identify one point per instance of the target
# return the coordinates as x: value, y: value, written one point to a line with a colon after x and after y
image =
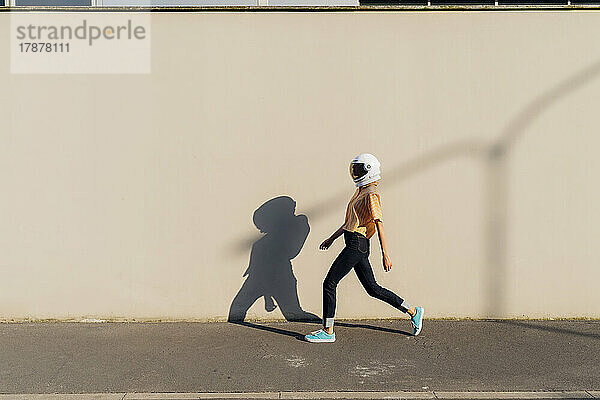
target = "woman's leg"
x: 344, y: 262
x: 364, y: 271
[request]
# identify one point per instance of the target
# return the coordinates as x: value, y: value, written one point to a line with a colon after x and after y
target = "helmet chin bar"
x: 367, y: 181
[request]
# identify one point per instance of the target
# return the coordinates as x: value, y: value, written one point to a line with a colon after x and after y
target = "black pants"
x: 355, y: 255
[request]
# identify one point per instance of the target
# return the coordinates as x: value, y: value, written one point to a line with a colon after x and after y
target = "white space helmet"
x: 365, y: 169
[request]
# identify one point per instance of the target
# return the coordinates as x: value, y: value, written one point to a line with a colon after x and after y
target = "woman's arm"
x: 387, y: 263
x: 329, y: 241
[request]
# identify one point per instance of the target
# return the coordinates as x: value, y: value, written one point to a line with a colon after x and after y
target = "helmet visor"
x: 357, y: 170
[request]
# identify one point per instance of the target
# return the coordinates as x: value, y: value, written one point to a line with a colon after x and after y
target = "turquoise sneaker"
x: 320, y: 336
x: 417, y: 321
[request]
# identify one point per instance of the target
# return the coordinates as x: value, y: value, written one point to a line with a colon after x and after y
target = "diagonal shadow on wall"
x: 496, y: 165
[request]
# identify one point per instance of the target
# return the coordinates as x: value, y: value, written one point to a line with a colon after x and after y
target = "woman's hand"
x: 329, y: 241
x: 326, y: 244
x: 387, y: 263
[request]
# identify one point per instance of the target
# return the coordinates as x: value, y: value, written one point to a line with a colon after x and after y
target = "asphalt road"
x: 268, y: 357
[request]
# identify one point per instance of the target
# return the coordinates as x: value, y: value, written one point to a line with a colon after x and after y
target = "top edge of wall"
x: 296, y: 8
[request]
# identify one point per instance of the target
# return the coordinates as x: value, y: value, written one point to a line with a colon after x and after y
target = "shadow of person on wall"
x: 270, y: 272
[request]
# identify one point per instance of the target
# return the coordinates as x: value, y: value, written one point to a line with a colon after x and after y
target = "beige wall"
x: 132, y: 195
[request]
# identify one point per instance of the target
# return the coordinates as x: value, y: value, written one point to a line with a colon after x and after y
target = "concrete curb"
x: 582, y: 394
x: 514, y: 395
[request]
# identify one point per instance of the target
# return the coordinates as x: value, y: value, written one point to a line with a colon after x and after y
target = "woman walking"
x: 363, y: 219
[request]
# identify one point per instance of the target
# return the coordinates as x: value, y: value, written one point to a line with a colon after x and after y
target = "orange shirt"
x: 363, y: 210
